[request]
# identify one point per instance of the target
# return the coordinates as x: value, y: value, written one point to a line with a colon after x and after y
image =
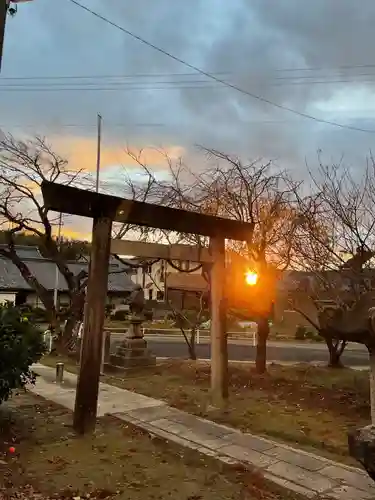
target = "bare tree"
x: 252, y: 192
x: 24, y: 165
x: 188, y: 322
x: 336, y: 245
x: 259, y: 194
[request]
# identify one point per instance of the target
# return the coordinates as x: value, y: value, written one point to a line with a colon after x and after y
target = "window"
x: 150, y: 294
x: 159, y: 295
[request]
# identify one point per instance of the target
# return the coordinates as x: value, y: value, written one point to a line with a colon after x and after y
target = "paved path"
x: 296, y: 470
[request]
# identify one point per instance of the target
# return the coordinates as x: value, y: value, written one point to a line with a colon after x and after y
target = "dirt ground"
x: 301, y: 405
x: 119, y: 462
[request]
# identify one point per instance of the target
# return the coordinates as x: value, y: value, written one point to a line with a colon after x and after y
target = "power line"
x: 270, y: 83
x: 81, y: 125
x: 134, y: 75
x: 215, y: 78
x: 110, y: 125
x: 259, y: 74
x: 200, y: 85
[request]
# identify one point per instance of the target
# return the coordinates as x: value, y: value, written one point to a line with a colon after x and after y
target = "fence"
x: 48, y: 339
x: 174, y: 333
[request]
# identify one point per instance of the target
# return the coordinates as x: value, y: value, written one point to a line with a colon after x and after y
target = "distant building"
x: 15, y: 289
x: 163, y: 282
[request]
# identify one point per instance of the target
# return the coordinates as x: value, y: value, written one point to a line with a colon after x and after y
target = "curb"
x: 316, y: 364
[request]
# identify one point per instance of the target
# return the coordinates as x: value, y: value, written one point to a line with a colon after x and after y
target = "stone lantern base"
x: 362, y: 448
x: 133, y: 351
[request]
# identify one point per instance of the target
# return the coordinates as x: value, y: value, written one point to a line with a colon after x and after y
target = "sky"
x: 313, y: 57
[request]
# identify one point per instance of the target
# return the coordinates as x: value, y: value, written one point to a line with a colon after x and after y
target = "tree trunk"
x: 192, y: 345
x: 372, y: 384
x: 335, y: 349
x: 263, y: 331
x: 67, y: 341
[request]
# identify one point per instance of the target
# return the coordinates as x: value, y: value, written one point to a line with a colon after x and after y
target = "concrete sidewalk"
x: 296, y: 470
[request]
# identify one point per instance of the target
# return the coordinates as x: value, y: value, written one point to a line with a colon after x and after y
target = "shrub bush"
x: 148, y: 314
x: 120, y: 315
x: 310, y: 335
x: 186, y: 318
x: 301, y: 332
x: 40, y: 314
x: 21, y: 345
x: 108, y: 310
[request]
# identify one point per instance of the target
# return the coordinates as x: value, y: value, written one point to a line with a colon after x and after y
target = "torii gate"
x: 104, y: 210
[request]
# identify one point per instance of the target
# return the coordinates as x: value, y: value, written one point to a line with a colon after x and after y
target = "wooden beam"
x: 74, y: 201
x: 91, y: 350
x: 219, y: 346
x: 159, y: 251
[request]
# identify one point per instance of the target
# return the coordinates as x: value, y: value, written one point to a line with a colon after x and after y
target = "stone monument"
x: 362, y: 441
x: 362, y: 448
x: 133, y: 351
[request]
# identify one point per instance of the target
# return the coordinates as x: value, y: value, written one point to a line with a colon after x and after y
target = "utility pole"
x: 4, y: 9
x: 4, y: 4
x: 56, y: 289
x: 98, y: 152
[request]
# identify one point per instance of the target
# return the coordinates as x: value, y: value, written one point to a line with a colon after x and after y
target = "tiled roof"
x: 45, y: 271
x: 185, y: 281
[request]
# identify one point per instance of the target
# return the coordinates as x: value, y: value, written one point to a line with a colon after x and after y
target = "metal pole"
x: 4, y: 4
x: 98, y: 152
x: 59, y: 373
x: 55, y: 291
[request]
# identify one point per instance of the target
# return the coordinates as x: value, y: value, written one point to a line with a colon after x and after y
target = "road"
x: 277, y: 351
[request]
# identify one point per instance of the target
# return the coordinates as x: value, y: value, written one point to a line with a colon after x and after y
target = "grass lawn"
x: 118, y: 462
x: 302, y: 405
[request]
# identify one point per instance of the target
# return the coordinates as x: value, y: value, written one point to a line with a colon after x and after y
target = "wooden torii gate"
x: 104, y: 210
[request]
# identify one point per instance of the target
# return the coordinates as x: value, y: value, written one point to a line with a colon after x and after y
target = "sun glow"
x: 251, y: 278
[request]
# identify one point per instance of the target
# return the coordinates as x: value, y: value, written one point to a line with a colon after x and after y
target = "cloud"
x: 314, y: 57
x: 81, y: 153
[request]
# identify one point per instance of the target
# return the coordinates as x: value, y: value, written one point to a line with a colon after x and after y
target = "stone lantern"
x: 133, y: 351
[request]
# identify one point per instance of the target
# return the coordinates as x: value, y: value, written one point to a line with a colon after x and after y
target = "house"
x: 163, y: 281
x: 14, y: 288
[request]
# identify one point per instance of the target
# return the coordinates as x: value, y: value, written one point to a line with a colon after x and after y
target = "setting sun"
x: 251, y: 278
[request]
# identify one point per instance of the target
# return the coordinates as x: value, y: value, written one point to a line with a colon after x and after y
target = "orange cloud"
x: 81, y: 153
x: 75, y: 235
